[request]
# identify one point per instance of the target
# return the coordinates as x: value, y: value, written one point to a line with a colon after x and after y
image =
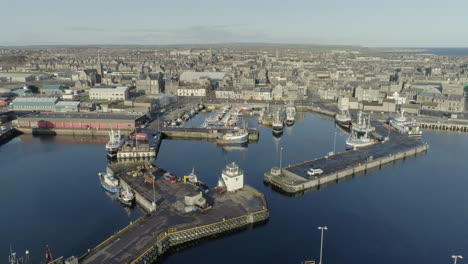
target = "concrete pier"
x: 294, y: 178
x: 144, y: 240
x: 203, y: 133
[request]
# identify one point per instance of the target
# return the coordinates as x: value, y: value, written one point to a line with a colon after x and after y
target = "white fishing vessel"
x: 116, y: 141
x: 362, y: 125
x: 109, y: 182
x: 277, y: 124
x: 290, y: 114
x: 356, y: 141
x: 404, y: 126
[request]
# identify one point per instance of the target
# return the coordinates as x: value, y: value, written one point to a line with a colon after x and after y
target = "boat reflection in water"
x: 236, y: 147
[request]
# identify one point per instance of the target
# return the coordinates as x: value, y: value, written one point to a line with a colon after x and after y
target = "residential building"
x: 109, y: 93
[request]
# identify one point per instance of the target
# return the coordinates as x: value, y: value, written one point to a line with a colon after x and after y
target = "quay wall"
x: 72, y: 132
x: 201, y: 135
x: 316, y: 110
x: 444, y: 126
x: 334, y: 176
x: 173, y: 238
x: 146, y: 204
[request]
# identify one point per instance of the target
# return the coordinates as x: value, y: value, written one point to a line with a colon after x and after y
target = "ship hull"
x: 343, y: 123
x: 290, y: 122
x: 352, y: 146
x: 240, y: 140
x: 107, y: 187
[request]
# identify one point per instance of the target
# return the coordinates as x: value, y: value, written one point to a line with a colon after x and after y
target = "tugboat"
x: 109, y: 182
x: 116, y: 141
x: 126, y: 196
x: 405, y: 127
x: 290, y: 115
x: 277, y: 125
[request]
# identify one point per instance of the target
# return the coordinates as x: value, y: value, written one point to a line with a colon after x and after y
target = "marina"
x: 369, y: 193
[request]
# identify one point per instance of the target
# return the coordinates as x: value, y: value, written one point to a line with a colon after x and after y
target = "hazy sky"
x: 373, y: 23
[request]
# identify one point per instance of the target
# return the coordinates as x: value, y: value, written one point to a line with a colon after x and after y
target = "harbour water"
x: 413, y: 211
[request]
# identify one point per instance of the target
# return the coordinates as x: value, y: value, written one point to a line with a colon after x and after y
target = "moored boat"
x: 277, y: 124
x: 290, y: 114
x: 343, y: 118
x: 116, y: 141
x: 109, y: 182
x: 355, y: 141
x: 126, y: 196
x: 404, y: 126
x: 235, y: 137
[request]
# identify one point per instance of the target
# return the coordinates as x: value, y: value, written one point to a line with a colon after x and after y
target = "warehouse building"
x: 34, y: 103
x: 80, y: 121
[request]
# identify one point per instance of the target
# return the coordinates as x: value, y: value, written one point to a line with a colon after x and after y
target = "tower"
x: 99, y: 68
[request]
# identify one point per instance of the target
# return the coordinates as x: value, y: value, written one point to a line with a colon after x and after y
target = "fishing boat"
x: 362, y: 125
x: 126, y: 196
x: 116, y: 141
x: 355, y: 141
x: 277, y: 124
x: 404, y: 126
x: 237, y: 136
x: 343, y: 118
x: 109, y: 182
x: 290, y: 115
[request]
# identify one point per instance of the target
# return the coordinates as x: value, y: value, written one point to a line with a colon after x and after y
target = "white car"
x: 314, y: 172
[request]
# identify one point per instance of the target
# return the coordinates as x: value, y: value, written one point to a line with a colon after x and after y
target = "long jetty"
x: 145, y: 240
x: 200, y: 132
x: 294, y: 178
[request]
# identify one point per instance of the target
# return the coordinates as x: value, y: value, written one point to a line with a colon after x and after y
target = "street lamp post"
x: 321, y: 228
x: 281, y: 158
x: 455, y: 257
x: 154, y: 194
x: 334, y: 142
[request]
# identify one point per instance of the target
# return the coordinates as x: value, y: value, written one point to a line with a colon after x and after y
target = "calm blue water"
x: 411, y: 212
x: 434, y: 51
x: 51, y: 195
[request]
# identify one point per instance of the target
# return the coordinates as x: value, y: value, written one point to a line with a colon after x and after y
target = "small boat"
x: 126, y: 196
x: 185, y: 117
x: 116, y: 141
x: 109, y: 182
x: 260, y: 121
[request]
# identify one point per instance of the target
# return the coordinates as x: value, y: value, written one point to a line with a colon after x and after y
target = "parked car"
x: 314, y: 172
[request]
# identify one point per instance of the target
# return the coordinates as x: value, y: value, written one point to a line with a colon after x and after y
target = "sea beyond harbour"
x: 413, y: 211
x: 432, y: 51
